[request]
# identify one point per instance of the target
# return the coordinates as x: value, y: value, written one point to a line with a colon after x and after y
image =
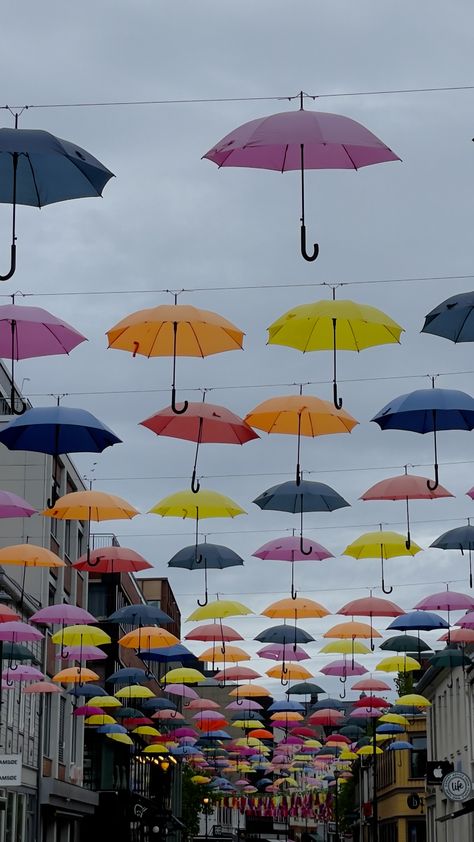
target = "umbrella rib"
x: 155, y: 339
x: 315, y: 324
x: 458, y: 334
x: 197, y: 340
x: 34, y: 178
x: 349, y: 156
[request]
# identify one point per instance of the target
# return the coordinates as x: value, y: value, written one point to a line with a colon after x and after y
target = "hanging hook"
x: 343, y: 679
x: 206, y: 600
x: 294, y: 593
x: 386, y: 590
x: 284, y: 682
x: 309, y: 257
x: 336, y: 400
x: 434, y: 485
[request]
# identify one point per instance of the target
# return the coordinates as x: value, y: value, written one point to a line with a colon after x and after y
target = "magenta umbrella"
x: 62, y: 615
x: 283, y: 652
x: 446, y: 601
x: 365, y: 713
x: 13, y: 506
x: 88, y: 710
x: 292, y: 548
x: 245, y: 704
x: 343, y: 669
x: 84, y: 653
x: 33, y: 333
x: 466, y: 622
x: 299, y: 140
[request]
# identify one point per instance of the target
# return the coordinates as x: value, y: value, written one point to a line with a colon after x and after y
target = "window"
x: 80, y: 540
x: 418, y: 757
x: 61, y: 735
x: 51, y: 593
x: 47, y: 724
x: 155, y: 603
x: 98, y: 599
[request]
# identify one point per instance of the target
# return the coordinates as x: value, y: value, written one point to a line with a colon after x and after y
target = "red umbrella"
x: 326, y: 716
x: 237, y: 674
x: 405, y: 487
x: 371, y: 606
x: 371, y: 702
x: 371, y: 684
x: 112, y: 560
x: 202, y: 423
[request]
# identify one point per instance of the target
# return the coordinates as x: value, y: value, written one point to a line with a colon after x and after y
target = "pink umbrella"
x: 208, y: 714
x: 42, y: 687
x: 18, y: 632
x: 22, y: 673
x: 62, y: 614
x: 202, y: 704
x: 88, y: 710
x: 371, y: 684
x: 446, y: 601
x: 292, y: 548
x: 365, y: 713
x: 183, y: 732
x: 237, y: 674
x: 466, y: 622
x: 84, y: 653
x: 164, y: 715
x: 33, y: 332
x: 299, y: 140
x: 181, y: 690
x: 112, y: 560
x: 13, y: 506
x: 283, y: 652
x: 343, y: 669
x: 245, y: 704
x: 405, y: 487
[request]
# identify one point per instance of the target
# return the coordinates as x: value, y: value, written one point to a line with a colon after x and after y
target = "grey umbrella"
x: 37, y: 169
x: 452, y: 319
x: 205, y: 557
x: 461, y: 538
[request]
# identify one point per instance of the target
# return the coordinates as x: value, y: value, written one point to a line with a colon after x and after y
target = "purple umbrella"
x: 466, y: 622
x: 365, y: 713
x: 446, y: 601
x: 180, y: 690
x: 22, y: 673
x: 291, y: 548
x: 84, y: 653
x: 33, y: 333
x: 245, y: 704
x: 299, y: 140
x: 18, y: 632
x: 283, y: 652
x: 13, y: 506
x: 343, y: 669
x: 62, y: 614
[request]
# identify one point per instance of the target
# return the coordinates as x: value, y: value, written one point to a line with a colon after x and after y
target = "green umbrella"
x: 449, y: 658
x: 17, y: 652
x: 405, y: 643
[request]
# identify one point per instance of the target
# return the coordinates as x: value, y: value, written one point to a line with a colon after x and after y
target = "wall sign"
x: 457, y: 786
x: 10, y: 770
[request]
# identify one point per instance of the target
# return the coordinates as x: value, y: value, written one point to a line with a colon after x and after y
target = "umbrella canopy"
x: 446, y: 601
x: 78, y: 635
x: 326, y: 717
x: 134, y: 691
x: 289, y: 672
x: 345, y: 647
x: 292, y: 548
x: 184, y: 675
x: 232, y: 655
x: 179, y: 689
x: 112, y: 560
x: 449, y: 658
x: 22, y: 673
x: 204, y: 504
x: 75, y: 675
x: 237, y: 674
x: 168, y: 653
x: 381, y: 544
x: 134, y: 615
x: 38, y: 168
x: 17, y: 652
x: 405, y: 487
x: 11, y: 505
x: 283, y: 652
x: 41, y: 687
x: 331, y: 326
x: 213, y: 632
x: 295, y: 608
x: 459, y: 635
x: 62, y: 613
x: 371, y: 606
x: 405, y: 643
x: 284, y: 635
x: 250, y: 691
x: 299, y: 140
x: 127, y: 675
x: 428, y: 411
x: 202, y: 423
x: 29, y: 555
x: 300, y: 415
x: 343, y: 669
x: 306, y: 688
x: 83, y: 653
x: 398, y: 663
x: 461, y: 538
x: 147, y: 637
x: 205, y: 557
x: 219, y: 609
x: 452, y: 319
x: 420, y: 620
x: 91, y: 505
x: 15, y: 631
x: 175, y: 330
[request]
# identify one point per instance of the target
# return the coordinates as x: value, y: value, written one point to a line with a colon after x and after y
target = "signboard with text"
x: 457, y: 786
x: 10, y: 770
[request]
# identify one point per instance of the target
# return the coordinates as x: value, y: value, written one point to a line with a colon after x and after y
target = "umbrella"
x: 80, y: 635
x: 41, y: 687
x: 179, y: 689
x: 288, y: 549
x: 127, y: 675
x: 371, y: 606
x: 22, y: 673
x: 202, y: 423
x: 288, y: 672
x: 300, y: 415
x: 383, y: 545
x: 419, y: 620
x: 112, y: 560
x: 284, y: 635
x: 300, y: 140
x: 75, y: 675
x: 40, y: 169
x: 459, y: 635
x: 84, y: 653
x: 183, y: 675
x: 306, y: 688
x: 213, y: 632
x: 452, y: 319
x: 295, y: 608
x: 351, y: 631
x: 138, y: 614
x: 282, y: 652
x: 371, y: 684
x: 63, y: 615
x: 326, y: 717
x: 449, y: 658
x: 398, y: 663
x: 13, y: 506
x: 332, y: 326
x: 305, y: 497
x: 461, y: 538
x: 219, y: 609
x: 203, y: 704
x: 56, y: 430
x: 428, y: 411
x: 29, y: 555
x: 405, y: 643
x: 236, y: 674
x: 343, y: 670
x: 205, y: 557
x: 147, y: 637
x: 176, y: 330
x: 345, y: 647
x: 232, y: 654
x: 251, y: 691
x: 446, y: 601
x: 88, y: 692
x: 405, y: 487
x: 167, y: 654
x: 17, y: 652
x: 134, y: 691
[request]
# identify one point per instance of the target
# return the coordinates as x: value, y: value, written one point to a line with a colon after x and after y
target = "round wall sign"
x: 457, y: 786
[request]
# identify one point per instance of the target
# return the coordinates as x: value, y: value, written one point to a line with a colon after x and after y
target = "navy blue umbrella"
x: 158, y: 704
x: 139, y: 614
x: 56, y: 430
x: 37, y: 169
x: 419, y: 620
x: 127, y: 675
x: 331, y: 704
x: 205, y: 557
x: 168, y: 654
x: 461, y: 538
x: 87, y: 690
x: 428, y: 411
x: 299, y: 498
x: 452, y: 319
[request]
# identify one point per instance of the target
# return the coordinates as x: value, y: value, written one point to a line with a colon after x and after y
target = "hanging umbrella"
x: 345, y: 647
x: 41, y: 687
x: 295, y: 609
x: 419, y: 620
x: 204, y: 424
x: 219, y: 609
x: 22, y: 673
x: 452, y: 319
x: 334, y: 326
x: 237, y: 674
x: 463, y: 636
x: 398, y: 663
x: 112, y: 560
x: 251, y: 691
x: 289, y: 672
x: 13, y: 506
x: 383, y: 545
x: 147, y: 637
x: 178, y: 690
x: 461, y: 538
x: 84, y: 653
x: 306, y: 688
x: 284, y: 635
x: 232, y: 655
x: 343, y: 670
x: 300, y: 140
x: 351, y: 631
x: 183, y: 675
x: 202, y: 704
x: 17, y: 652
x: 297, y: 499
x: 288, y: 549
x: 281, y: 652
x: 428, y: 411
x: 88, y: 692
x: 371, y: 606
x: 405, y: 487
x: 77, y: 635
x: 205, y: 557
x: 176, y: 330
x: 212, y: 632
x: 29, y: 555
x: 75, y: 675
x: 168, y: 654
x: 446, y: 601
x: 139, y: 614
x: 405, y: 643
x: 127, y: 675
x: 134, y: 691
x: 326, y: 717
x: 300, y: 415
x: 62, y: 614
x: 371, y: 684
x: 57, y: 430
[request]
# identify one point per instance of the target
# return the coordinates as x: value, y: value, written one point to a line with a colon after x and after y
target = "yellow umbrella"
x: 290, y: 715
x: 248, y: 724
x: 249, y: 691
x: 183, y: 675
x: 351, y: 631
x: 312, y: 743
x: 345, y: 647
x: 200, y: 779
x: 148, y: 637
x: 121, y: 738
x: 105, y: 702
x: 29, y: 555
x: 398, y: 663
x: 155, y: 748
x: 300, y: 415
x: 253, y: 742
x: 146, y: 731
x: 231, y: 655
x: 413, y: 699
x: 175, y: 330
x: 334, y: 326
x: 135, y: 691
x: 75, y: 675
x: 295, y: 609
x: 91, y: 505
x: 81, y: 635
x: 219, y: 609
x: 394, y: 719
x: 100, y: 719
x: 384, y: 545
x: 369, y: 750
x: 347, y: 755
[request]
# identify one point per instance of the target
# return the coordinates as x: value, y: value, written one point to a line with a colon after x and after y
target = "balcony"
x: 103, y: 539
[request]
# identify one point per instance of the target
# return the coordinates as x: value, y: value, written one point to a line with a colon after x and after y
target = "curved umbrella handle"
x: 434, y: 485
x: 343, y: 694
x: 302, y: 549
x: 195, y: 484
x: 10, y: 683
x: 284, y: 681
x: 205, y: 601
x: 343, y: 679
x: 294, y: 592
x: 54, y: 498
x: 13, y: 401
x: 174, y: 407
x: 309, y: 257
x: 336, y: 400
x: 239, y: 702
x: 11, y: 272
x: 408, y: 540
x: 386, y: 590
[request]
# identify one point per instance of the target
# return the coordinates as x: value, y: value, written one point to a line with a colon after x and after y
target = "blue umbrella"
x: 461, y: 538
x: 87, y: 691
x: 139, y: 614
x: 276, y: 707
x: 419, y: 620
x: 305, y: 497
x: 205, y: 557
x: 184, y: 751
x: 56, y: 430
x: 390, y: 728
x: 37, y: 169
x: 428, y: 411
x: 452, y: 319
x: 129, y: 713
x: 331, y: 704
x: 166, y: 654
x: 158, y: 704
x: 111, y: 729
x: 398, y: 745
x: 127, y: 675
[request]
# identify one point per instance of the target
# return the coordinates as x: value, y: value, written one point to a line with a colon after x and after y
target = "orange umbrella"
x: 232, y: 655
x: 288, y: 672
x: 262, y: 734
x: 300, y: 415
x: 175, y: 330
x: 29, y: 555
x: 371, y: 606
x: 91, y: 505
x: 351, y: 631
x: 75, y: 675
x: 287, y: 609
x: 249, y: 691
x: 148, y: 637
x: 290, y: 715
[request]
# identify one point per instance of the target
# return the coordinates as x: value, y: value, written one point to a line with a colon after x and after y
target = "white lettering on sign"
x: 10, y: 769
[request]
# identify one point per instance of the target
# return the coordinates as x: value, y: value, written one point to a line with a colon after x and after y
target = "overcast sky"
x: 171, y: 221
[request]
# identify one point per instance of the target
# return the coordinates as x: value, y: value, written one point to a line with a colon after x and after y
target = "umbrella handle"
x: 434, y: 485
x: 343, y: 679
x: 343, y: 694
x: 11, y: 272
x: 54, y: 497
x: 386, y: 590
x: 195, y: 484
x: 13, y: 397
x: 206, y: 600
x: 302, y: 549
x: 309, y: 257
x: 174, y: 407
x: 336, y: 400
x: 284, y: 681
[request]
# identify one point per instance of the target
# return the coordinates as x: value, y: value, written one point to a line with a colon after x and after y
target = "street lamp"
x: 206, y: 802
